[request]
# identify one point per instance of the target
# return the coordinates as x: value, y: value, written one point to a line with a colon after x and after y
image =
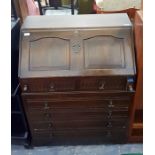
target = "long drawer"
x: 79, y: 136
x: 82, y: 132
x: 82, y: 124
x: 80, y: 115
x: 74, y: 84
x: 78, y: 104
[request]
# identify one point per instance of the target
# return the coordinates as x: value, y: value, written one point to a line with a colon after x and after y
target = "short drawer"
x: 103, y: 83
x: 47, y: 85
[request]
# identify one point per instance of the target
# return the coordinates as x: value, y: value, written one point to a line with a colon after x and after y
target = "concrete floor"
x: 79, y: 150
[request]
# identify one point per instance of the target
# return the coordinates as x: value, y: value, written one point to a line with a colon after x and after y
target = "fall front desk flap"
x: 79, y: 45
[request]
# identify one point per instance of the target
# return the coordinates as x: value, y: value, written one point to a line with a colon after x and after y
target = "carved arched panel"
x: 49, y: 54
x: 104, y: 52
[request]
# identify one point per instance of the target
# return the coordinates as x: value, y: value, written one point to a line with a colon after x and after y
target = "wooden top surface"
x: 76, y: 21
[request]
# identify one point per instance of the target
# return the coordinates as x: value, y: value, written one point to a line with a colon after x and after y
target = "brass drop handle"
x: 110, y: 105
x: 109, y: 114
x: 25, y: 88
x: 51, y: 88
x: 101, y: 87
x: 48, y: 115
x: 109, y: 125
x: 46, y: 106
x: 50, y: 125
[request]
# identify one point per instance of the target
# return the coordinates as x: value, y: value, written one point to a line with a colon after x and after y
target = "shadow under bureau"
x: 77, y: 76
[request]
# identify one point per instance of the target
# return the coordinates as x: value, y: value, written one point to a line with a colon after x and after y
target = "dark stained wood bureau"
x: 77, y: 76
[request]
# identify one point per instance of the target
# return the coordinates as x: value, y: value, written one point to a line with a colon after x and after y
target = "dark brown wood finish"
x: 78, y: 49
x: 60, y: 116
x: 77, y: 81
x: 102, y: 83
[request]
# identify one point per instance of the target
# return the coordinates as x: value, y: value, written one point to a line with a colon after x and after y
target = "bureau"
x: 77, y: 77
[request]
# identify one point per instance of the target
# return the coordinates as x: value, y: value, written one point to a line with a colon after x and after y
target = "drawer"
x: 79, y: 136
x: 80, y: 132
x: 103, y: 83
x: 82, y: 124
x: 78, y: 104
x: 36, y: 115
x: 88, y: 132
x: 70, y: 137
x: 47, y: 85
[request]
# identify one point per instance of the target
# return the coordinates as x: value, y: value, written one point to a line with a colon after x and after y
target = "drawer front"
x: 36, y: 115
x: 75, y: 137
x: 79, y: 104
x: 82, y: 124
x: 79, y: 132
x: 85, y: 138
x: 47, y: 85
x: 103, y: 83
